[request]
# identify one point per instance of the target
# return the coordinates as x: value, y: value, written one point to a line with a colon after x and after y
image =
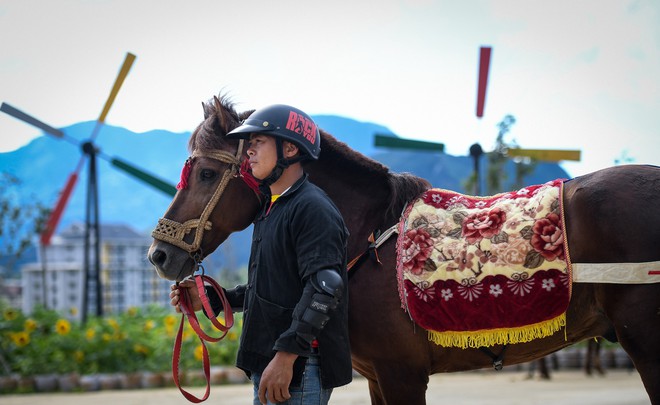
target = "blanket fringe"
x: 492, y: 337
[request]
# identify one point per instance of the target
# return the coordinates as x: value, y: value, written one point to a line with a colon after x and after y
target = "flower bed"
x: 135, y: 345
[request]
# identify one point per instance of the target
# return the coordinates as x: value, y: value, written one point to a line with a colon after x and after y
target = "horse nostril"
x: 157, y: 257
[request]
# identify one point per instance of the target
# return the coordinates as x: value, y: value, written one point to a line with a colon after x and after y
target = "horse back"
x: 612, y: 215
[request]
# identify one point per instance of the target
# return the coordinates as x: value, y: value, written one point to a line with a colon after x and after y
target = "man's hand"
x: 276, y: 378
x: 191, y: 288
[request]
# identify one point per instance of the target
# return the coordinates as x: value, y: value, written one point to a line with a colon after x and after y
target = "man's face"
x: 263, y: 155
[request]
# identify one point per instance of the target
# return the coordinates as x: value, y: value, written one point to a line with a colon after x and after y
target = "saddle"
x: 484, y: 271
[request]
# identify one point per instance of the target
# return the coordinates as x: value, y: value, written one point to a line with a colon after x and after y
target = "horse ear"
x: 222, y: 114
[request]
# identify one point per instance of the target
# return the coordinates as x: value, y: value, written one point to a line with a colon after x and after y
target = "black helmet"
x: 286, y: 122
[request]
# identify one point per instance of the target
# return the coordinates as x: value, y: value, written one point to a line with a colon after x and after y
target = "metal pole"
x: 476, y: 151
x: 94, y: 225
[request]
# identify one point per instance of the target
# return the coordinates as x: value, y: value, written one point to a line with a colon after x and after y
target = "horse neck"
x: 362, y: 201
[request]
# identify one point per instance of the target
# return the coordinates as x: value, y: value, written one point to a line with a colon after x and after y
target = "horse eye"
x: 207, y: 174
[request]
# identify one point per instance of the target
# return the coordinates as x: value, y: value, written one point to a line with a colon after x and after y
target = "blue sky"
x: 575, y: 74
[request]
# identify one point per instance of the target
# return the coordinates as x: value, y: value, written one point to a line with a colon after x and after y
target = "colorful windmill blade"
x: 28, y: 119
x: 56, y: 214
x: 123, y: 72
x: 484, y: 65
x: 140, y: 174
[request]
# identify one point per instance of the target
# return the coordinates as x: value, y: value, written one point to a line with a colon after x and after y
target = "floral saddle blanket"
x: 484, y: 271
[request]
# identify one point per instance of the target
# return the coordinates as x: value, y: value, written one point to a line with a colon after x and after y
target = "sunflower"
x: 10, y: 314
x: 113, y: 323
x: 199, y: 352
x: 170, y: 320
x: 62, y: 327
x: 30, y: 325
x: 20, y: 339
x: 90, y: 333
x: 79, y: 356
x: 141, y: 349
x: 149, y: 325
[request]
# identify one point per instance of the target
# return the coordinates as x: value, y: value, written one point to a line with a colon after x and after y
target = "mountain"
x: 45, y: 163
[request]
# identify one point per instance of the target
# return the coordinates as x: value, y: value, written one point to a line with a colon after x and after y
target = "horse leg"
x: 635, y: 314
x: 393, y: 382
x: 543, y: 368
x: 590, y: 357
x: 400, y: 384
x: 597, y: 362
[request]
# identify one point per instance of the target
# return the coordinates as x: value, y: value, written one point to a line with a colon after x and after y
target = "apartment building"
x: 127, y: 278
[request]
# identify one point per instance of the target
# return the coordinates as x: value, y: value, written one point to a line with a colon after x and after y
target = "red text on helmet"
x: 301, y: 125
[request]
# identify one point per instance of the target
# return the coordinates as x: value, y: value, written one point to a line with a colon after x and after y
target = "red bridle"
x: 188, y: 313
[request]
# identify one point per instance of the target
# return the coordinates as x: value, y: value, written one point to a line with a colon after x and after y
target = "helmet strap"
x: 282, y: 163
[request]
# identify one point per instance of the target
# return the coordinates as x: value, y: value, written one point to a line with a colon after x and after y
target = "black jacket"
x: 301, y: 234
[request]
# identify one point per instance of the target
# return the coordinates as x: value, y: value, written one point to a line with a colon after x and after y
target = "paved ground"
x: 484, y: 387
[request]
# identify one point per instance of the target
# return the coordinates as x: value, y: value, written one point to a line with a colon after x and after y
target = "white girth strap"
x: 617, y: 273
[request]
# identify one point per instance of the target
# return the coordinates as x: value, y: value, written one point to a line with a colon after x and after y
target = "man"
x: 294, y: 344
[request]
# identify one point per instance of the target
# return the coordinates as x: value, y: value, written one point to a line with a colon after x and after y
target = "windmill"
x: 90, y: 153
x: 475, y: 150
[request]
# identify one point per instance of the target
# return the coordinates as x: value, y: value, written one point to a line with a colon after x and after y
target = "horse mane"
x: 402, y: 187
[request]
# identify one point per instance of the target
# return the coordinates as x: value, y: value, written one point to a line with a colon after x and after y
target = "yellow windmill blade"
x: 548, y: 155
x: 123, y: 72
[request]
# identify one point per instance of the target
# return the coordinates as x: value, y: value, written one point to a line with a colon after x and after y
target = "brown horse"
x: 612, y: 216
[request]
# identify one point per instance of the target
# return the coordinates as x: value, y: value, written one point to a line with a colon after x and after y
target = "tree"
x: 19, y: 221
x: 497, y: 159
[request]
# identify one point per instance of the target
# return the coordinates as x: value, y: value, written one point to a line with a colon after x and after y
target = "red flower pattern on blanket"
x: 548, y: 238
x: 417, y: 247
x: 483, y: 224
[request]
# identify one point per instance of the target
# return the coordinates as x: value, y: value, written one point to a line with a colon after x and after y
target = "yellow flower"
x: 141, y: 349
x: 30, y: 325
x: 90, y: 333
x: 20, y: 339
x: 170, y: 320
x: 10, y: 314
x: 232, y: 336
x: 73, y: 311
x: 149, y: 325
x: 113, y: 323
x: 62, y: 327
x: 132, y: 311
x: 78, y: 356
x: 106, y: 337
x: 199, y: 352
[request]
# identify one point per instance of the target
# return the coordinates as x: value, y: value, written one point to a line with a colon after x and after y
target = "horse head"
x: 216, y: 196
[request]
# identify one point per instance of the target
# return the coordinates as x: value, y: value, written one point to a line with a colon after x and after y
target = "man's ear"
x: 290, y: 149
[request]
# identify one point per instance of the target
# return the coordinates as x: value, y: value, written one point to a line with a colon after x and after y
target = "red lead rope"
x: 188, y: 312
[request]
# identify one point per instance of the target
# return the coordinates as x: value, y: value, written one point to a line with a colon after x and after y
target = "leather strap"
x: 189, y: 313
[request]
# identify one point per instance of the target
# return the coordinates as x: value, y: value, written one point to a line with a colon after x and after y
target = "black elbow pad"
x: 328, y: 290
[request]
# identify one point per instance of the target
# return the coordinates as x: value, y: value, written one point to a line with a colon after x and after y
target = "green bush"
x: 44, y: 342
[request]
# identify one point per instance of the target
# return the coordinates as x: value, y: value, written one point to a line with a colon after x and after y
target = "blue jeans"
x: 310, y: 393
